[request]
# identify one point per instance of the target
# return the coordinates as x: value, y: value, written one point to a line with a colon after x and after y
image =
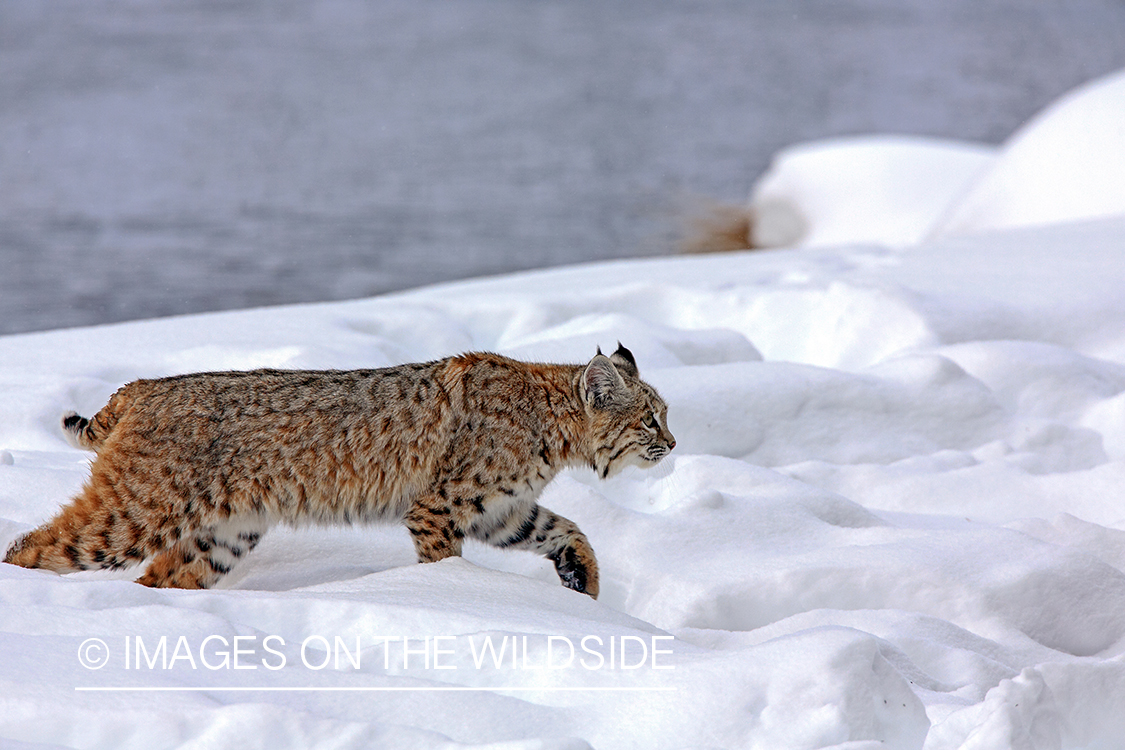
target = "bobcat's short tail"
x: 86, y: 433
x: 91, y: 433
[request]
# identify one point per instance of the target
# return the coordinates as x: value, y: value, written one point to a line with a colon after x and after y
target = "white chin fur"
x: 632, y: 460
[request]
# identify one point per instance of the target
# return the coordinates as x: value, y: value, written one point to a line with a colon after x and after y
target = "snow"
x: 893, y: 518
x: 1065, y: 164
x: 885, y: 189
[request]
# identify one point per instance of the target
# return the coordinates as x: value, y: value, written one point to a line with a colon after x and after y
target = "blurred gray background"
x: 168, y: 156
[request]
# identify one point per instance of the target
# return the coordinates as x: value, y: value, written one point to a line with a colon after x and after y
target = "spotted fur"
x: 192, y: 470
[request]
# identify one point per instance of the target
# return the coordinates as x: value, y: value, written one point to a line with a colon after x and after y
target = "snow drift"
x: 1066, y: 164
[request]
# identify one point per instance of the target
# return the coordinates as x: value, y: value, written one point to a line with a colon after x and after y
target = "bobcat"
x: 191, y: 470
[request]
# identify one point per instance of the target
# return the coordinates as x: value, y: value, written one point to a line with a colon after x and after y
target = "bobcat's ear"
x: 623, y: 359
x: 602, y: 384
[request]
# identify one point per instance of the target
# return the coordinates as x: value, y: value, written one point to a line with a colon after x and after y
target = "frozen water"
x: 160, y: 157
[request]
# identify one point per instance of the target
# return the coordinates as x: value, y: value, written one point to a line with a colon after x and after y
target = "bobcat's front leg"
x: 558, y: 539
x: 434, y: 531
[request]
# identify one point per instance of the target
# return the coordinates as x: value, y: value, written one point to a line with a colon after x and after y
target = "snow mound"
x: 883, y: 189
x: 1066, y: 164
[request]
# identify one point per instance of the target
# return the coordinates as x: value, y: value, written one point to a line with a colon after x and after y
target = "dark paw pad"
x: 571, y: 572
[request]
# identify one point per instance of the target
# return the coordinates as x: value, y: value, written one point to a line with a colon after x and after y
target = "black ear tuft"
x: 625, y: 361
x: 600, y: 349
x: 626, y: 354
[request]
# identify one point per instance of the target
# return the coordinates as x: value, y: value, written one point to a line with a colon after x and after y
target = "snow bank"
x: 1065, y: 164
x: 893, y: 520
x: 885, y: 189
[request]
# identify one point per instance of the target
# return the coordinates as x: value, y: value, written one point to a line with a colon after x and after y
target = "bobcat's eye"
x: 649, y: 421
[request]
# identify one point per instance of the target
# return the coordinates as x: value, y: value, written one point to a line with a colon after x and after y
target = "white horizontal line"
x: 441, y: 689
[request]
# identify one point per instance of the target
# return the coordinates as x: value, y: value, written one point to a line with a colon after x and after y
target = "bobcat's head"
x: 629, y: 420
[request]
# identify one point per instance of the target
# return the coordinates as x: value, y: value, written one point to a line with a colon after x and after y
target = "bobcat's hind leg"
x: 199, y: 560
x: 85, y: 535
x: 558, y: 539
